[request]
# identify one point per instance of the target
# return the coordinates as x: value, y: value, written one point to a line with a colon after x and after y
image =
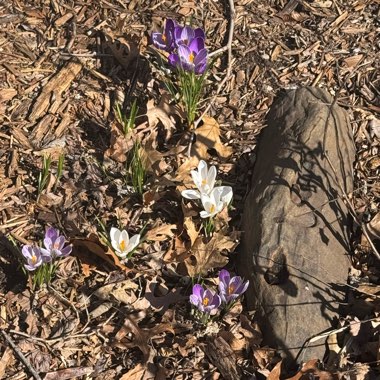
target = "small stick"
x: 21, y: 356
x: 228, y: 47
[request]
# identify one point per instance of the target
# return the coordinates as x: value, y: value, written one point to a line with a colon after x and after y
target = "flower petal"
x: 191, y: 194
x: 184, y: 53
x: 204, y: 214
x: 133, y: 242
x: 52, y: 233
x: 211, y: 176
x: 174, y: 60
x: 115, y: 233
x: 66, y: 250
x: 197, y: 45
x: 158, y: 41
x: 27, y: 251
x: 202, y: 169
x: 224, y: 277
x: 198, y: 290
x: 187, y: 34
x: 198, y: 32
x: 170, y: 24
x: 194, y: 300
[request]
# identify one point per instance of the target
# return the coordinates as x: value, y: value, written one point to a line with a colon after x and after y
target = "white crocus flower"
x: 121, y: 243
x: 214, y: 203
x: 204, y: 180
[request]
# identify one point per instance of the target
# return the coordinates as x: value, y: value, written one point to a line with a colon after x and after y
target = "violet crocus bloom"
x: 192, y: 57
x: 183, y: 35
x: 33, y: 257
x: 54, y: 245
x: 231, y: 288
x: 165, y: 41
x: 205, y: 300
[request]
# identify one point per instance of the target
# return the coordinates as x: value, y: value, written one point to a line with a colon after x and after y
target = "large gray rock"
x: 295, y: 243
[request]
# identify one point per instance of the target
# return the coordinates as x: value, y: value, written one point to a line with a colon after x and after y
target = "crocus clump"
x: 122, y: 244
x: 207, y: 302
x: 213, y: 199
x: 42, y: 262
x: 185, y: 45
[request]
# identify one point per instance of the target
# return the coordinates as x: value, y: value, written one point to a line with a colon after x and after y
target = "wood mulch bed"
x: 63, y: 67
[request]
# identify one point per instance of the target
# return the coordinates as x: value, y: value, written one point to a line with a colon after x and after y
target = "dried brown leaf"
x: 275, y: 374
x: 156, y: 114
x: 210, y: 255
x: 120, y: 144
x: 124, y: 49
x: 162, y: 302
x: 86, y: 248
x: 140, y: 372
x: 208, y: 134
x: 310, y: 370
x: 160, y: 233
x: 140, y: 337
x: 121, y: 291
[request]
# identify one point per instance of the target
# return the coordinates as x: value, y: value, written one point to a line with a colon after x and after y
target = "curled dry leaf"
x: 124, y: 49
x: 121, y: 291
x: 85, y: 249
x: 188, y: 223
x: 160, y: 233
x: 140, y: 372
x: 161, y: 113
x: 120, y: 145
x: 162, y: 302
x: 210, y: 255
x: 140, y: 337
x: 208, y: 134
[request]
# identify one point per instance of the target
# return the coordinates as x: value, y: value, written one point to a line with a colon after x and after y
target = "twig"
x: 21, y: 356
x: 54, y: 340
x: 228, y: 47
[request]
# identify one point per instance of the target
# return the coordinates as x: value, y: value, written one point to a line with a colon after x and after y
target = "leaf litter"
x: 62, y: 67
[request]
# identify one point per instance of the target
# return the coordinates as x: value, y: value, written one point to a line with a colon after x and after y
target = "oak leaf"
x: 210, y: 255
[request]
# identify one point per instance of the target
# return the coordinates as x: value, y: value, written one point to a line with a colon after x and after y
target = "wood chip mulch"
x: 63, y: 67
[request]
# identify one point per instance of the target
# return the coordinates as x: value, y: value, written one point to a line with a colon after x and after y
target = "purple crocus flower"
x: 165, y: 40
x: 54, y: 245
x: 33, y: 257
x: 231, y: 288
x: 205, y: 300
x: 183, y: 35
x: 192, y: 57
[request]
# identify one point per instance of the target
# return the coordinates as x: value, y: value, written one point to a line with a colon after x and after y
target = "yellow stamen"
x: 33, y: 259
x: 204, y: 182
x: 231, y: 289
x: 122, y: 245
x: 212, y: 208
x: 206, y: 301
x: 164, y: 38
x: 56, y: 245
x: 191, y: 57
